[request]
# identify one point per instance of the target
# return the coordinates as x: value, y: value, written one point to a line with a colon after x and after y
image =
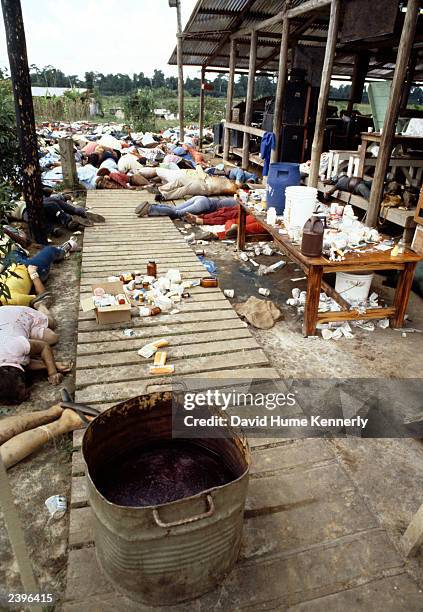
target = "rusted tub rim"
x: 239, y: 433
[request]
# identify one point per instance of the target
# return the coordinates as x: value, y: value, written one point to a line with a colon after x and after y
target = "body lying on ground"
x: 25, y: 344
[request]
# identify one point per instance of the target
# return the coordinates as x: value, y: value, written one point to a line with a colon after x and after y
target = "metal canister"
x: 176, y: 551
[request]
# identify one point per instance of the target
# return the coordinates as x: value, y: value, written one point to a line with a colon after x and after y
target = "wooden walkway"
x: 206, y: 338
x: 310, y: 541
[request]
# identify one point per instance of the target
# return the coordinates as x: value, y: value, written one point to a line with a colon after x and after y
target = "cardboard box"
x: 119, y: 313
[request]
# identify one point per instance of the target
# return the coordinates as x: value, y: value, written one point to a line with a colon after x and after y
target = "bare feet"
x: 64, y: 366
x: 193, y: 219
x: 55, y: 379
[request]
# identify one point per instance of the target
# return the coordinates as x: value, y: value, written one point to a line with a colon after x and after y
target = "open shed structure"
x: 350, y: 39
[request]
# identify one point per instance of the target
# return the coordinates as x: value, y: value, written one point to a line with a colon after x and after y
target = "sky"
x: 105, y: 36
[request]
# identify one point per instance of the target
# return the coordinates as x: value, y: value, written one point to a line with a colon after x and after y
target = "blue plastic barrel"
x: 281, y: 175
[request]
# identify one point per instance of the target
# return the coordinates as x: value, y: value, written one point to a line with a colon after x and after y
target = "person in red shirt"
x: 228, y: 217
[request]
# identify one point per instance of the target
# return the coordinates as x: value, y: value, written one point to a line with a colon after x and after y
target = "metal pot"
x: 172, y: 552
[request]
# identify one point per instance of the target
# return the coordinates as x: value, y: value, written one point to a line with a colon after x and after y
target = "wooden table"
x: 368, y: 138
x: 316, y: 267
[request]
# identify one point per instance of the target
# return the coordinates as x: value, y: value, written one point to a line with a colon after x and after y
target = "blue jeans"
x: 198, y: 205
x: 43, y: 260
x: 241, y: 176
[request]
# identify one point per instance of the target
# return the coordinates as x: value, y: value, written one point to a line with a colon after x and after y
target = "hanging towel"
x: 268, y: 143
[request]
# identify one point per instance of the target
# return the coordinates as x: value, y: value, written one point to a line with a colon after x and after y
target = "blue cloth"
x: 241, y: 176
x: 268, y: 144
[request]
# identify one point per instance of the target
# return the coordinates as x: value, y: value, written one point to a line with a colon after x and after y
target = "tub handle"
x: 209, y: 512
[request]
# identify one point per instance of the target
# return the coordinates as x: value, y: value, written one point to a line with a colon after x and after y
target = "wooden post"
x: 67, y: 158
x: 18, y: 60
x: 202, y: 105
x: 280, y: 90
x: 179, y: 40
x: 412, y: 539
x: 317, y: 146
x: 229, y: 99
x: 16, y: 536
x: 250, y: 99
x: 391, y: 117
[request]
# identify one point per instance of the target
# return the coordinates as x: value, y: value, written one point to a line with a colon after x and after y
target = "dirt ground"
x: 388, y: 472
x: 49, y: 471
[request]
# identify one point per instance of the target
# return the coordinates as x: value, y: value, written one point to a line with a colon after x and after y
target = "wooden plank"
x: 155, y: 322
x: 80, y: 527
x: 195, y: 365
x: 186, y: 307
x: 160, y: 330
x: 116, y: 392
x: 78, y: 492
x: 129, y: 344
x: 199, y: 349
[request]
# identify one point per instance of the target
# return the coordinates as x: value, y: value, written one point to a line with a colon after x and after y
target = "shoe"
x: 143, y: 209
x: 159, y: 198
x: 152, y: 189
x: 57, y: 232
x: 43, y: 298
x: 83, y: 221
x: 95, y: 217
x: 70, y: 246
x: 73, y: 226
x: 232, y: 232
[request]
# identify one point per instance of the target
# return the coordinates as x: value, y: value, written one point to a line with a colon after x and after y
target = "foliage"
x: 139, y: 109
x: 9, y: 166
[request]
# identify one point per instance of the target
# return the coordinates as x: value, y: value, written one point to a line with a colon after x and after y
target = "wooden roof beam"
x: 302, y: 9
x: 235, y: 26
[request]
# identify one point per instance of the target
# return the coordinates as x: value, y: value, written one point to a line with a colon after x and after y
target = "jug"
x: 312, y: 241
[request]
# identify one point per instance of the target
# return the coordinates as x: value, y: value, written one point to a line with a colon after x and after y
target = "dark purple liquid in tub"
x: 161, y: 473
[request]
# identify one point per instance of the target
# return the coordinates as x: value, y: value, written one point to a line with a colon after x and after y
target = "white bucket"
x: 354, y: 288
x: 300, y: 203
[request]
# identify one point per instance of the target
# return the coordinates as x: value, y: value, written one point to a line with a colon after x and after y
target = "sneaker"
x: 70, y: 246
x: 143, y: 209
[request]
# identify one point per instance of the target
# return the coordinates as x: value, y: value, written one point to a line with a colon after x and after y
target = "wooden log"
x: 67, y: 158
x: 229, y: 100
x: 316, y: 150
x: 391, y: 117
x: 17, y: 536
x: 249, y: 99
x: 280, y: 90
x: 412, y: 539
x: 202, y: 107
x: 19, y: 71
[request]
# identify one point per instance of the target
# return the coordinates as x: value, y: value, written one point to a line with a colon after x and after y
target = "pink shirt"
x: 19, y: 324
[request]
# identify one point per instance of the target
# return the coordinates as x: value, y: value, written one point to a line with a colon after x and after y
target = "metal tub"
x: 173, y: 552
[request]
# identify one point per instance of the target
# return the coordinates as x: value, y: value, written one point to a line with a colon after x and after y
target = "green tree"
x: 10, y: 164
x: 139, y: 110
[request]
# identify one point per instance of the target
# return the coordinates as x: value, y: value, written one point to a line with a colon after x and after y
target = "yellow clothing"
x: 19, y: 286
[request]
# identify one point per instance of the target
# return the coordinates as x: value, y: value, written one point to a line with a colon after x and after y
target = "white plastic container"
x: 300, y: 203
x: 354, y: 288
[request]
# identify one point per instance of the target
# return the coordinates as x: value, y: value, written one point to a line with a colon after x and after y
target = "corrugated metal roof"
x: 207, y: 36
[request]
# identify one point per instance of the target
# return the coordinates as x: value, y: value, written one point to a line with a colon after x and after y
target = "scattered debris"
x: 57, y: 506
x: 262, y: 314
